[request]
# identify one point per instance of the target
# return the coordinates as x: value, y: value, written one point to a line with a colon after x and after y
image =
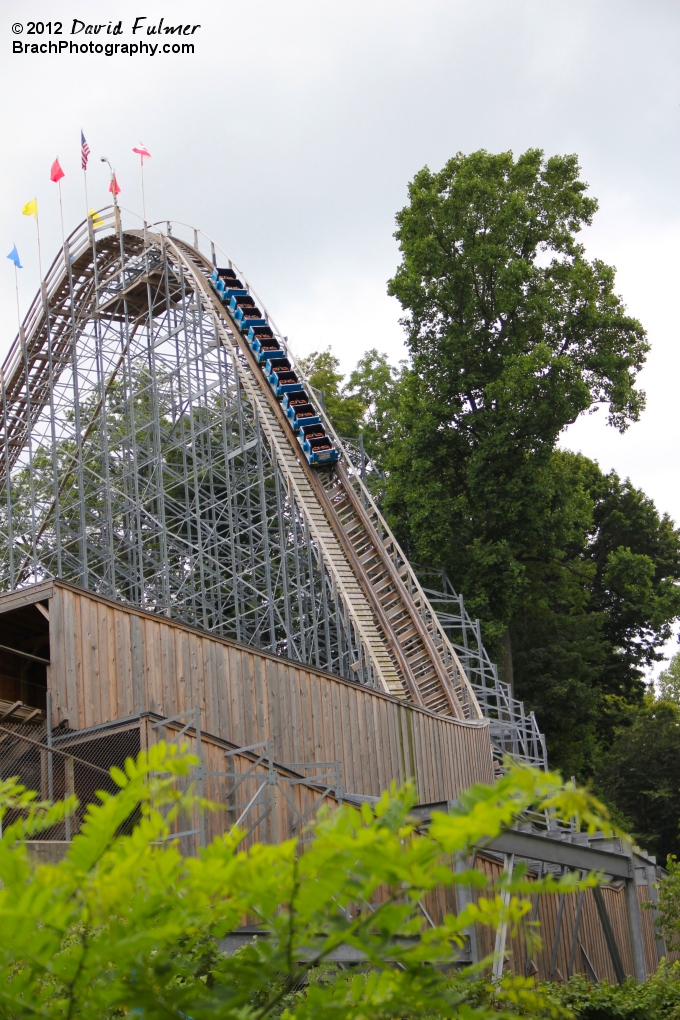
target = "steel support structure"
x: 258, y: 789
x: 143, y: 457
x: 135, y: 467
x: 515, y: 733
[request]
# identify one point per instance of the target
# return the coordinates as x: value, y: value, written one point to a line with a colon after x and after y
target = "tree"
x: 669, y: 681
x: 640, y: 775
x: 124, y: 925
x: 344, y: 411
x: 669, y: 905
x: 376, y: 384
x: 512, y: 334
x: 595, y: 611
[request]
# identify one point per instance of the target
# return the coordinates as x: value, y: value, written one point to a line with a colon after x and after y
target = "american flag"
x: 84, y: 151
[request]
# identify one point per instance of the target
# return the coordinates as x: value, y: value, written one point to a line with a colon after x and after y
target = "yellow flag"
x: 31, y: 208
x: 96, y: 218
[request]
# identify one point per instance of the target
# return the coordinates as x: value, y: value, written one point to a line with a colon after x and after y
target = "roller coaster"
x: 160, y: 446
x: 271, y: 355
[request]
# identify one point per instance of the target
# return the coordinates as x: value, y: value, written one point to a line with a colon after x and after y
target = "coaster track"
x: 145, y: 456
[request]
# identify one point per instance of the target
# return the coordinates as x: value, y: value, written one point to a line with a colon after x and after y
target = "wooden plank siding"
x: 111, y: 661
x: 537, y: 945
x: 295, y: 804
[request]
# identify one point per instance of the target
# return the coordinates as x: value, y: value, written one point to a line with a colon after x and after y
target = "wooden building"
x: 276, y: 738
x: 103, y: 662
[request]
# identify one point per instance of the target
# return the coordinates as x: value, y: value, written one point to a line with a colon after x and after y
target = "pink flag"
x: 143, y: 152
x: 56, y: 173
x: 113, y: 186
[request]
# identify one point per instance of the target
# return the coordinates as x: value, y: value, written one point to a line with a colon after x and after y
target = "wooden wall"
x: 282, y: 811
x: 590, y: 939
x: 109, y: 661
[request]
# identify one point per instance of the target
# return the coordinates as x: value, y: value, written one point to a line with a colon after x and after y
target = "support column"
x: 463, y: 899
x: 609, y: 937
x: 199, y: 773
x: 502, y: 930
x: 635, y: 922
x: 650, y: 873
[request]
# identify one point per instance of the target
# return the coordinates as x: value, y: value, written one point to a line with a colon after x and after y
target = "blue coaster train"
x: 300, y: 412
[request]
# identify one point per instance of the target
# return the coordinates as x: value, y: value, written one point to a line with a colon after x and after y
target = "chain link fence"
x: 59, y: 762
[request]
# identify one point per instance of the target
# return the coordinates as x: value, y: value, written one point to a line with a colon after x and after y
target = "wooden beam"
x: 24, y: 655
x: 10, y: 711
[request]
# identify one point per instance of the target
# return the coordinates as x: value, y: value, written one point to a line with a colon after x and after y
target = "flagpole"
x: 37, y: 227
x: 16, y: 287
x: 141, y: 162
x: 61, y: 212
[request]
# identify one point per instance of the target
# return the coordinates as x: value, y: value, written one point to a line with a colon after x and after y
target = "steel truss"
x: 134, y: 463
x: 324, y: 778
x: 515, y: 732
x: 138, y: 460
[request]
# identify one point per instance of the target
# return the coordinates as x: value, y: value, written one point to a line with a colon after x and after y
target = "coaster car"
x: 292, y: 400
x: 276, y: 365
x: 267, y: 350
x: 227, y: 284
x: 304, y: 414
x: 311, y: 432
x: 246, y: 312
x: 320, y: 451
x: 285, y: 382
x: 259, y: 333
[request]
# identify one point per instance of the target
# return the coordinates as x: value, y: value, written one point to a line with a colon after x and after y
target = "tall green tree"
x: 640, y: 775
x: 669, y: 681
x: 596, y: 612
x: 512, y: 334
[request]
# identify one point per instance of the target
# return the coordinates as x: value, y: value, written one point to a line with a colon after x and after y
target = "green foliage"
x: 640, y: 774
x: 345, y: 412
x: 124, y: 925
x: 658, y: 998
x: 596, y: 611
x: 668, y: 681
x: 669, y: 904
x: 512, y: 334
x: 366, y: 403
x: 376, y: 384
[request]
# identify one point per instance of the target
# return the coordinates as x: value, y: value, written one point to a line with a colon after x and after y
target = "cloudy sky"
x: 292, y: 131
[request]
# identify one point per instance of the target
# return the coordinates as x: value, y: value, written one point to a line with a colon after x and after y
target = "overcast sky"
x: 291, y: 133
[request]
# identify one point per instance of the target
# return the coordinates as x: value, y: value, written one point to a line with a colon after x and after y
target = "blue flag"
x: 14, y: 257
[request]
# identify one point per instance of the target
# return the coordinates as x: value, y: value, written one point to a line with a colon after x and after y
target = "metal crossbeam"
x: 143, y: 457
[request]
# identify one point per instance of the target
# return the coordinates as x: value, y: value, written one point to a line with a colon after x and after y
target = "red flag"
x: 113, y: 186
x: 142, y: 152
x: 56, y: 173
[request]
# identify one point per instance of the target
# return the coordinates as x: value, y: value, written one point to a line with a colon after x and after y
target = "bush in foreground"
x: 125, y: 925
